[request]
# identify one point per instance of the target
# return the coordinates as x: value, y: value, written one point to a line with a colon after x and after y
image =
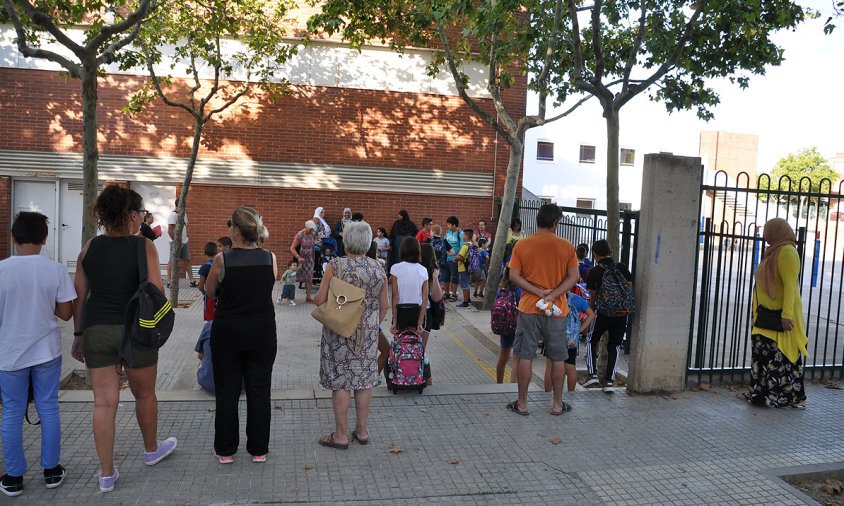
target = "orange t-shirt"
x: 543, y: 259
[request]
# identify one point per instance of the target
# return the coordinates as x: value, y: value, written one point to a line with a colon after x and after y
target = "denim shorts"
x: 452, y: 274
x: 288, y: 292
x: 464, y: 280
x: 507, y: 341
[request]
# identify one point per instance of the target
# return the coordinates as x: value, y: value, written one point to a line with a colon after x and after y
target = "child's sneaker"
x: 54, y: 477
x: 107, y: 482
x: 12, y: 486
x: 165, y: 448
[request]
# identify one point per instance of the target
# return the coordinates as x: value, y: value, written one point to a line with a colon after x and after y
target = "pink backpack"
x: 504, y: 314
x: 406, y: 362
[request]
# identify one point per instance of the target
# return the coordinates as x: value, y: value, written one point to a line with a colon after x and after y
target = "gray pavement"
x: 459, y: 443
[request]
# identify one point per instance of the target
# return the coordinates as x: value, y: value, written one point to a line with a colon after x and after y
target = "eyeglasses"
x: 140, y: 211
x: 229, y: 223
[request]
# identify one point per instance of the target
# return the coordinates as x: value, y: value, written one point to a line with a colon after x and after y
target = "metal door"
x: 39, y: 196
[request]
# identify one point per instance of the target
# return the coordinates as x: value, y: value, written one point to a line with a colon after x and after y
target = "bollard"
x: 756, y: 251
x: 815, y: 262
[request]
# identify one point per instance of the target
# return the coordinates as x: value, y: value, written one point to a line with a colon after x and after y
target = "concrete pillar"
x: 667, y: 242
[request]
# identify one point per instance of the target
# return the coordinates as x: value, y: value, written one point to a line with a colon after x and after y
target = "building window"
x: 545, y: 151
x: 587, y: 154
x: 585, y: 203
x: 625, y: 206
x: 628, y: 156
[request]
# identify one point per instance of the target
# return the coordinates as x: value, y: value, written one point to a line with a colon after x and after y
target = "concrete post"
x: 667, y: 231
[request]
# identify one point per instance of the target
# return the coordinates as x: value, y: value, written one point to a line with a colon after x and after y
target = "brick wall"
x: 5, y: 216
x: 285, y: 211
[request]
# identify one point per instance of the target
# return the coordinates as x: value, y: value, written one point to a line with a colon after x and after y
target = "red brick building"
x: 365, y: 130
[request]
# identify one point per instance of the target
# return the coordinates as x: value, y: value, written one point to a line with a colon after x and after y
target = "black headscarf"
x: 403, y: 226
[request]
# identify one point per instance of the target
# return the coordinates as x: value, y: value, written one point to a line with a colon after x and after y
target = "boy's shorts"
x: 288, y: 292
x: 102, y: 345
x: 572, y: 356
x: 507, y: 341
x: 530, y: 327
x: 464, y: 280
x: 478, y: 276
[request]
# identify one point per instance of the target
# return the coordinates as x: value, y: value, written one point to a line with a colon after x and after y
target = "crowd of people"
x: 550, y: 295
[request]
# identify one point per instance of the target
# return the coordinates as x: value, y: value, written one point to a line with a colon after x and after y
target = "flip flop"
x: 514, y: 407
x: 329, y: 442
x: 359, y: 440
x: 566, y: 409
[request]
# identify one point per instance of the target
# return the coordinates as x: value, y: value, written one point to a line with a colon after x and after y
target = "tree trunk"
x: 508, y: 200
x: 176, y: 246
x: 612, y: 179
x: 90, y: 151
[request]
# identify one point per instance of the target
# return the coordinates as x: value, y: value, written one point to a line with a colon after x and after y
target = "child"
x: 584, y: 264
x: 383, y: 244
x: 512, y: 293
x: 584, y: 315
x: 479, y: 276
x: 462, y: 271
x: 210, y: 251
x: 424, y: 234
x: 224, y: 244
x: 33, y: 289
x: 288, y: 281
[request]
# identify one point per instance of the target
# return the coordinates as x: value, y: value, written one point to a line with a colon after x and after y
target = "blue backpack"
x: 572, y: 327
x: 473, y: 259
x: 440, y: 250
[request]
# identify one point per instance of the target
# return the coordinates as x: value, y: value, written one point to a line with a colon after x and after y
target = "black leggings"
x: 235, y: 368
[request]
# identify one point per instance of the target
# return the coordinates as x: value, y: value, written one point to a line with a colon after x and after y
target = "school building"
x: 368, y: 129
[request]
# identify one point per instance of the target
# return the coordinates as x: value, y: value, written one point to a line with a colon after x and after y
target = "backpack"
x: 615, y: 297
x: 473, y: 259
x: 440, y: 250
x: 406, y: 360
x: 149, y: 315
x: 572, y: 327
x: 504, y: 313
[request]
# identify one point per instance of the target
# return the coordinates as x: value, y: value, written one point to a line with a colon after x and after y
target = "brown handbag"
x: 342, y: 311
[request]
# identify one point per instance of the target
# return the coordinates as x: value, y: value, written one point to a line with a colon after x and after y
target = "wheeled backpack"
x: 406, y: 363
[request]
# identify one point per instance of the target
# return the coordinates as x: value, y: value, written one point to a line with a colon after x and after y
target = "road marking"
x: 472, y: 355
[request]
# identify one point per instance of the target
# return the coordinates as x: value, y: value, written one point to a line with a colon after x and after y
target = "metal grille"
x: 733, y: 214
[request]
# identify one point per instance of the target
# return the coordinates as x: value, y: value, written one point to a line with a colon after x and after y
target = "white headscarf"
x: 323, y: 230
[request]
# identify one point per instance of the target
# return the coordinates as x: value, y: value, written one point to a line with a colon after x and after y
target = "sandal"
x: 514, y: 407
x: 329, y: 442
x: 566, y: 409
x: 356, y: 437
x: 194, y: 284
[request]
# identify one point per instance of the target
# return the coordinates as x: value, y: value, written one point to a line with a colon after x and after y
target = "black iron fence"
x: 730, y: 248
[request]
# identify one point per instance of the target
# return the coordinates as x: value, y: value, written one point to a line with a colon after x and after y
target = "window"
x: 585, y: 203
x: 625, y: 206
x: 545, y: 151
x: 628, y: 156
x: 587, y: 154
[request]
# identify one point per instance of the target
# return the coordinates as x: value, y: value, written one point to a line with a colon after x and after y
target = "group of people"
x: 239, y: 282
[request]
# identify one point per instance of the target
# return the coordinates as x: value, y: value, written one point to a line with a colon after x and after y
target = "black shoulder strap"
x: 142, y: 258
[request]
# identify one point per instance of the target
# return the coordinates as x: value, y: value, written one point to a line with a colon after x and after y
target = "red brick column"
x: 5, y: 216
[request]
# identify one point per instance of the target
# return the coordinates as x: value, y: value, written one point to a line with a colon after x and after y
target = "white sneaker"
x: 292, y: 303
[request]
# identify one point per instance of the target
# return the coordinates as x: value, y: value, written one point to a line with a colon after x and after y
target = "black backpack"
x: 149, y: 316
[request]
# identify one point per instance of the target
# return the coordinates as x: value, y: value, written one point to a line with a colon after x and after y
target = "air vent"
x: 77, y: 187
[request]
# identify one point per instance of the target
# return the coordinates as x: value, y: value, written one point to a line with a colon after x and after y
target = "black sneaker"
x: 54, y: 477
x: 592, y: 382
x: 12, y: 486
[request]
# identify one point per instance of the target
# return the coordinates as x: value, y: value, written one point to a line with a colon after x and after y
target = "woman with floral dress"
x: 303, y: 250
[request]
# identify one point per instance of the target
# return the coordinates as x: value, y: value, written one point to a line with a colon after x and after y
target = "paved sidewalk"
x: 700, y: 448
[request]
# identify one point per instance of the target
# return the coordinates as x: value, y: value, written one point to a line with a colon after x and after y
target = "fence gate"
x: 730, y: 247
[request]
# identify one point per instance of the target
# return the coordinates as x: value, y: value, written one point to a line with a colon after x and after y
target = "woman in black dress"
x: 243, y: 337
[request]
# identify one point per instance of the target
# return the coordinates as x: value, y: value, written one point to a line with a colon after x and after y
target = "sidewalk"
x: 459, y: 443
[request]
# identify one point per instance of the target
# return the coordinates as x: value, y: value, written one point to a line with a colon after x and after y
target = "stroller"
x: 323, y: 253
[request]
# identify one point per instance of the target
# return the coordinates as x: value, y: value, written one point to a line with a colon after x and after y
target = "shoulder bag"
x: 342, y: 311
x: 149, y: 315
x: 768, y: 319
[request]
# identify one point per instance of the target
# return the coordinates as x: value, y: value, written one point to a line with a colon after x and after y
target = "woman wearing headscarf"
x: 402, y: 228
x: 323, y: 229
x: 337, y: 233
x: 778, y: 353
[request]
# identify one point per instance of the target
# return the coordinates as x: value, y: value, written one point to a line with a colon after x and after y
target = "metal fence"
x: 580, y: 225
x: 730, y: 248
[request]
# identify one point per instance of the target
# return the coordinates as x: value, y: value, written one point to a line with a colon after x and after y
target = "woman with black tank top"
x: 243, y: 337
x: 106, y: 278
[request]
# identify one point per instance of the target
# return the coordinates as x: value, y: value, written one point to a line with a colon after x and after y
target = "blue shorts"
x: 451, y: 275
x: 507, y: 341
x: 464, y: 280
x: 288, y: 292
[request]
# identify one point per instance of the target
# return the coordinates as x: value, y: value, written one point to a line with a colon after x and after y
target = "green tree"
x: 108, y: 27
x: 806, y: 171
x: 231, y: 49
x: 672, y: 49
x: 506, y: 37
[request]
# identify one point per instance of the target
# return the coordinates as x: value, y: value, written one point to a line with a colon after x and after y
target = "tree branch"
x: 631, y: 92
x: 576, y: 48
x: 568, y: 111
x: 156, y: 82
x: 217, y: 65
x: 631, y: 58
x: 107, y: 55
x: 108, y: 31
x: 243, y: 91
x: 542, y: 80
x: 31, y: 52
x: 600, y: 64
x: 46, y: 22
x: 452, y: 67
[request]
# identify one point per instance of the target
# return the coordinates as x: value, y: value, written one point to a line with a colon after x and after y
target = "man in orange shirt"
x: 544, y: 266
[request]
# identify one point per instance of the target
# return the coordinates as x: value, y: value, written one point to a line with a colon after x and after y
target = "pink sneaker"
x: 227, y: 459
x: 259, y: 459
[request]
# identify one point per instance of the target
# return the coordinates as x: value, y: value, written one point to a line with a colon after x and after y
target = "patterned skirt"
x: 775, y: 381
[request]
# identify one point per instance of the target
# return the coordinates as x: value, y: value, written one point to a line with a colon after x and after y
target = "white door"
x: 70, y: 216
x: 159, y: 200
x: 39, y: 196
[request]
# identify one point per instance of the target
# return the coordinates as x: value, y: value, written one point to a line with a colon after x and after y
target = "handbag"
x: 149, y: 316
x: 342, y: 311
x: 768, y: 319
